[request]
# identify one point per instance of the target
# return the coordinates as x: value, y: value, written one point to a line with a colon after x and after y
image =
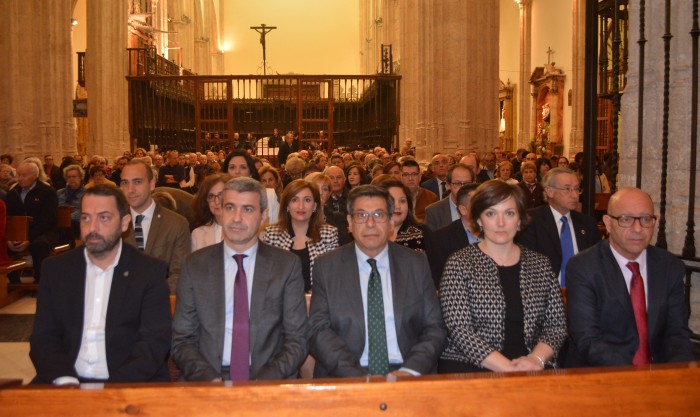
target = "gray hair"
x: 248, y: 185
x: 74, y: 167
x: 552, y: 173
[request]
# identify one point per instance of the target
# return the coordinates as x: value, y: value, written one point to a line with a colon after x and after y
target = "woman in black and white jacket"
x: 301, y: 228
x: 501, y: 302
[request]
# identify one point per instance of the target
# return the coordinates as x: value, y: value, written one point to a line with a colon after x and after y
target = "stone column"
x: 105, y: 69
x: 36, y: 86
x: 578, y: 77
x: 181, y: 13
x: 524, y: 128
x: 449, y: 93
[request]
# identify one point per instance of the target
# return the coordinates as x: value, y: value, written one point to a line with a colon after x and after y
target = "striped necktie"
x: 138, y: 232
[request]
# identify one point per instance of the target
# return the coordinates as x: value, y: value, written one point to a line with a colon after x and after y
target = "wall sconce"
x: 74, y: 22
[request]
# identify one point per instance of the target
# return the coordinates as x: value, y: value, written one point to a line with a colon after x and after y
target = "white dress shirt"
x: 230, y: 271
x: 92, y: 357
x: 392, y: 343
x: 627, y: 273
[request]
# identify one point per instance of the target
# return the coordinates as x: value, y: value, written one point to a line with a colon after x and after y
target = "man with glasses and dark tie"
x: 374, y: 310
x: 556, y: 229
x: 626, y: 298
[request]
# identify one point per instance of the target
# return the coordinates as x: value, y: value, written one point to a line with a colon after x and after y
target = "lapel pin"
x: 583, y: 232
x: 126, y: 273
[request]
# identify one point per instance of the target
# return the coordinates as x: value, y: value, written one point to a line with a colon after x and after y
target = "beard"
x: 104, y: 244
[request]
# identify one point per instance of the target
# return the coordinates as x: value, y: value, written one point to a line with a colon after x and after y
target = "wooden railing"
x: 660, y: 390
x: 188, y: 112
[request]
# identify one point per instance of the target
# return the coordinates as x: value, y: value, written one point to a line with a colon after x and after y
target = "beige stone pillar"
x: 36, y: 116
x: 449, y: 91
x: 181, y: 14
x: 105, y: 69
x: 524, y: 94
x: 202, y: 41
x: 578, y: 78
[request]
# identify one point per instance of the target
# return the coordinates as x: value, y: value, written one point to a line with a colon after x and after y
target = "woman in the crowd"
x: 239, y: 163
x: 323, y: 182
x: 406, y: 230
x: 98, y: 176
x: 320, y: 159
x: 504, y: 172
x: 393, y: 169
x: 501, y: 302
x: 355, y: 175
x: 534, y: 193
x: 300, y: 228
x: 543, y: 166
x: 294, y: 170
x: 140, y: 153
x: 270, y: 178
x: 71, y: 194
x: 206, y: 208
x: 563, y: 162
x: 7, y: 180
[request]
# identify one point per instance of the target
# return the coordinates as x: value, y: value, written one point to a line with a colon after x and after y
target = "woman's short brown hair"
x: 494, y: 192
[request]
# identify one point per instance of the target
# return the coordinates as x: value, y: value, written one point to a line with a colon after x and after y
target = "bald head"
x: 625, y: 206
x: 470, y: 161
x: 337, y: 177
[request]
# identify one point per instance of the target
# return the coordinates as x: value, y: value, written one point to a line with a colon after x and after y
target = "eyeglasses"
x: 212, y: 197
x: 410, y: 174
x: 645, y: 221
x: 459, y: 184
x: 568, y: 190
x: 379, y: 216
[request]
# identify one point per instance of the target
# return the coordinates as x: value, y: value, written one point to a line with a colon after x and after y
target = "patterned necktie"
x: 376, y: 326
x: 567, y: 248
x: 138, y: 232
x: 639, y: 305
x: 240, y: 340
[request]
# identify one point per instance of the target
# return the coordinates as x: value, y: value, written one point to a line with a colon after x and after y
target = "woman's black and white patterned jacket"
x: 275, y: 236
x: 473, y: 304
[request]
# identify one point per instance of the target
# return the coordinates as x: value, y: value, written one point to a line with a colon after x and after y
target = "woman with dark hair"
x: 270, y: 178
x: 206, y: 208
x: 406, y: 229
x: 501, y: 301
x: 543, y: 166
x: 301, y: 228
x: 563, y: 162
x: 355, y: 175
x: 393, y: 169
x: 98, y: 175
x: 239, y: 163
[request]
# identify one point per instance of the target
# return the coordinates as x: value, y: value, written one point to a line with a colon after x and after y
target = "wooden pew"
x: 658, y: 390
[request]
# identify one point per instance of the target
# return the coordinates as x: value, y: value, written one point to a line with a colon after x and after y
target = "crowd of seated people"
x: 478, y: 287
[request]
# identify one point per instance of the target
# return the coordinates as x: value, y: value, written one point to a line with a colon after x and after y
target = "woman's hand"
x: 527, y: 363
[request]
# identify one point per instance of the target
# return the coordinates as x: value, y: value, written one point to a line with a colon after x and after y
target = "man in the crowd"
x: 422, y: 198
x: 158, y: 161
x: 444, y: 212
x: 445, y: 241
x: 472, y: 162
x: 518, y: 160
x: 438, y: 184
x: 31, y: 197
x: 556, y: 229
x: 172, y: 173
x: 53, y: 172
x: 374, y: 310
x: 103, y: 312
x: 626, y: 301
x: 274, y: 140
x: 241, y: 311
x: 498, y: 153
x: 157, y: 231
x: 488, y: 171
x: 116, y: 175
x: 288, y: 146
x: 336, y: 206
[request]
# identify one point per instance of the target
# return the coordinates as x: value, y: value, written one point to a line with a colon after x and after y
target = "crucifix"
x: 549, y: 54
x: 263, y: 30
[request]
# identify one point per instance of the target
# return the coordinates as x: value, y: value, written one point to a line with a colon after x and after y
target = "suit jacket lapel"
x: 552, y: 229
x: 118, y: 290
x: 615, y: 280
x: 154, y: 230
x: 217, y: 282
x: 261, y: 280
x: 579, y: 231
x: 398, y: 290
x: 656, y: 290
x: 350, y: 283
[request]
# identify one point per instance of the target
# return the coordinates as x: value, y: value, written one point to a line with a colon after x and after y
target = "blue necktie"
x: 567, y: 247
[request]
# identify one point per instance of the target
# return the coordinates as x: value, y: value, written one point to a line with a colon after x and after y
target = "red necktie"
x: 240, y: 340
x: 639, y: 305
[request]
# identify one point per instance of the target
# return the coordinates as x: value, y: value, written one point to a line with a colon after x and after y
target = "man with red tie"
x: 626, y: 298
x: 241, y: 310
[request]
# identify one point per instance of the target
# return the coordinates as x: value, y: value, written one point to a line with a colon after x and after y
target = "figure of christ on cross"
x: 263, y: 30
